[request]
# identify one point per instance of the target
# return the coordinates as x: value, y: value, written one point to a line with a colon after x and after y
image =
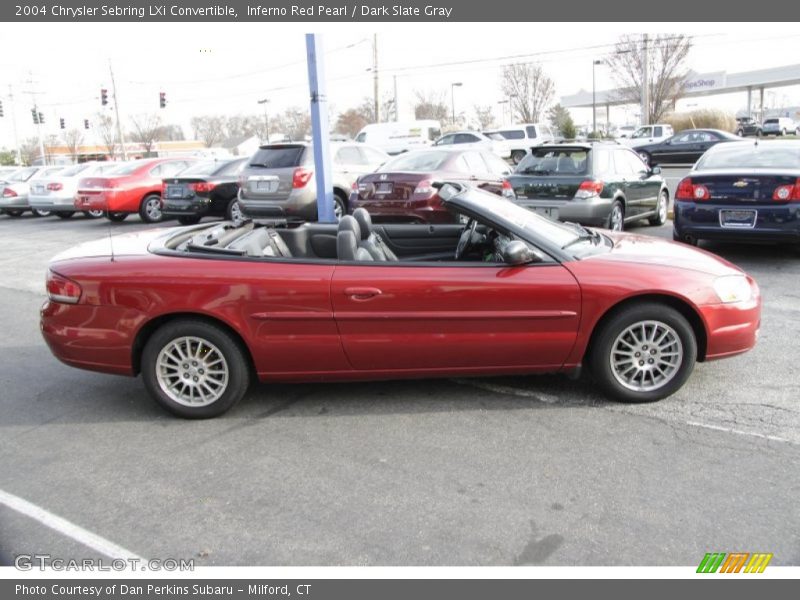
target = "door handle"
x: 362, y: 293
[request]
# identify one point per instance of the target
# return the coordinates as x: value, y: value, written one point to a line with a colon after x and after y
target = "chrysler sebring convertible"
x: 201, y: 311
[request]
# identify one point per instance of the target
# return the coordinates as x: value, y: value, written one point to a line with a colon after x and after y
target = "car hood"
x: 647, y: 250
x: 127, y: 244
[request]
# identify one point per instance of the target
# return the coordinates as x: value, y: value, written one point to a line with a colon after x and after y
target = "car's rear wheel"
x: 189, y: 220
x: 339, y: 207
x: 517, y: 156
x: 93, y: 214
x: 661, y: 210
x: 150, y: 209
x: 740, y: 132
x: 13, y: 212
x: 65, y: 215
x: 117, y: 217
x: 684, y: 239
x: 234, y: 211
x: 644, y: 352
x: 40, y: 213
x: 616, y: 217
x: 195, y: 369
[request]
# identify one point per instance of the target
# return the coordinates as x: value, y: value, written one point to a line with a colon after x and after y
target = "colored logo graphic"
x: 735, y: 562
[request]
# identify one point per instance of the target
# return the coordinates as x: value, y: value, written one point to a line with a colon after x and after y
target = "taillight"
x: 589, y: 189
x: 202, y: 186
x: 691, y: 191
x: 62, y: 289
x: 787, y: 193
x: 300, y: 177
x: 425, y: 188
x: 54, y: 187
x: 9, y: 193
x: 508, y: 189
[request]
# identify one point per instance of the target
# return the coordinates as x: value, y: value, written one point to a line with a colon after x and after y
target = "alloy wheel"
x: 646, y: 356
x: 192, y: 371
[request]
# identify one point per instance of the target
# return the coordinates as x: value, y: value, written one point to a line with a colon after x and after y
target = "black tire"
x: 517, y: 156
x: 65, y: 215
x: 661, y: 210
x: 339, y: 207
x: 759, y: 133
x: 93, y: 214
x: 40, y: 213
x: 189, y: 220
x: 150, y: 209
x: 232, y: 209
x: 689, y: 240
x: 623, y: 325
x: 116, y: 217
x: 645, y: 156
x: 235, y: 361
x: 616, y: 217
x: 740, y: 133
x: 14, y: 212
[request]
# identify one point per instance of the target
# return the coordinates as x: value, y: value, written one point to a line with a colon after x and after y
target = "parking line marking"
x: 764, y: 436
x: 66, y: 528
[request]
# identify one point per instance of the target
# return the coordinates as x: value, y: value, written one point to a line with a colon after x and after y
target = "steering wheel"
x: 465, y: 241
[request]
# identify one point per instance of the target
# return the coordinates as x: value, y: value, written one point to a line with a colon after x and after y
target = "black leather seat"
x: 370, y: 240
x: 347, y: 238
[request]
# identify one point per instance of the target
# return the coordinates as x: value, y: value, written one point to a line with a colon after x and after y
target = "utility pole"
x: 265, y: 101
x: 375, y: 76
x: 396, y: 106
x: 14, y: 123
x: 320, y: 128
x: 32, y: 92
x: 645, y: 81
x: 116, y: 110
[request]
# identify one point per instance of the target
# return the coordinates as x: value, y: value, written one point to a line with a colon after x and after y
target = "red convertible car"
x: 199, y: 311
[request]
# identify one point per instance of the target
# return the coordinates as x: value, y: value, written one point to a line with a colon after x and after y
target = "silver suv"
x: 278, y: 180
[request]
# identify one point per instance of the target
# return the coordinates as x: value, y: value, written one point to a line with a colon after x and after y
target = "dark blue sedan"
x: 742, y: 191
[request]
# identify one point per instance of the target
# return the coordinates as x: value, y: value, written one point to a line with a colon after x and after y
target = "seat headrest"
x: 348, y: 223
x: 364, y: 221
x: 346, y: 245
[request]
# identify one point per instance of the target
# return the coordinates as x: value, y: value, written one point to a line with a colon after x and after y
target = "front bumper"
x: 732, y: 328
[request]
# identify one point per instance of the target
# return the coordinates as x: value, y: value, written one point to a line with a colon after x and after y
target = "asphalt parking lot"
x: 506, y: 471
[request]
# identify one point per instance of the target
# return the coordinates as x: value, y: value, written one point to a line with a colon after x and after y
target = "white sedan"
x: 477, y: 141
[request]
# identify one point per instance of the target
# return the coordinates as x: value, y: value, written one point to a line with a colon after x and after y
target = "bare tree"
x: 73, y: 138
x: 244, y: 125
x: 485, y: 116
x: 146, y: 130
x: 171, y: 133
x: 209, y: 128
x: 667, y: 54
x: 351, y: 121
x: 104, y: 125
x: 294, y: 121
x: 29, y: 150
x: 431, y: 104
x: 529, y: 89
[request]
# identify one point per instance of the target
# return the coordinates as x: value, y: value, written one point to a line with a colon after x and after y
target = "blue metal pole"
x: 320, y: 128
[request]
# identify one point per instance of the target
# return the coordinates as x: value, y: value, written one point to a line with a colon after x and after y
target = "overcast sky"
x: 243, y: 62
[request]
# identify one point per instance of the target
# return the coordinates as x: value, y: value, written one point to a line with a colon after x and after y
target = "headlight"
x: 733, y: 288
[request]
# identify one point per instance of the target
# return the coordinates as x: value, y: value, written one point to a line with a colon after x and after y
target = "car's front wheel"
x: 661, y: 210
x: 150, y: 209
x: 195, y: 369
x: 645, y: 156
x: 517, y: 156
x: 117, y: 217
x: 643, y: 352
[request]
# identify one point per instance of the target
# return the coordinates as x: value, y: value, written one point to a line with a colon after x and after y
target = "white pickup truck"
x: 648, y: 134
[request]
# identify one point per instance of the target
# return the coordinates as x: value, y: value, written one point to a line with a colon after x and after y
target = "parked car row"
x: 748, y: 126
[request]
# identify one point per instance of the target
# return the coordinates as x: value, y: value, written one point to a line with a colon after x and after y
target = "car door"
x: 641, y: 188
x: 447, y: 140
x: 454, y: 317
x: 703, y: 141
x: 670, y: 150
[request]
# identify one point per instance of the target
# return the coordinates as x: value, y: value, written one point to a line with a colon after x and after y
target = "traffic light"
x: 41, y: 118
x: 162, y: 99
x: 103, y: 96
x: 1, y: 109
x: 63, y: 125
x: 86, y: 123
x: 35, y: 116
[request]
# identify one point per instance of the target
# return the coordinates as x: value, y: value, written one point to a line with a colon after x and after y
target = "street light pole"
x: 265, y: 101
x: 453, y: 87
x: 594, y: 97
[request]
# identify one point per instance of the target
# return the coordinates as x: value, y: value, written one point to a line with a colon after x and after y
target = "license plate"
x: 550, y: 213
x: 738, y: 219
x: 175, y: 191
x: 38, y: 189
x: 267, y: 186
x: 384, y: 187
x: 84, y: 199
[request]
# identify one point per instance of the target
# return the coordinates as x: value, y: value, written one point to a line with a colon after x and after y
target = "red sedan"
x: 199, y: 311
x: 133, y: 187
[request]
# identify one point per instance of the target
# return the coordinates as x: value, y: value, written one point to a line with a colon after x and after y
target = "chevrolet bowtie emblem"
x: 740, y: 184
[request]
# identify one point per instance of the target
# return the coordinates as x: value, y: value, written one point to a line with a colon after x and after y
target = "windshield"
x: 554, y: 161
x: 23, y: 174
x: 74, y: 170
x: 208, y: 167
x: 417, y: 161
x: 642, y: 132
x: 750, y: 156
x: 125, y: 168
x: 496, y: 137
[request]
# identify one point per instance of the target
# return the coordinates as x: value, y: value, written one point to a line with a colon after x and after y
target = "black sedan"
x: 684, y: 147
x: 206, y: 188
x: 748, y: 191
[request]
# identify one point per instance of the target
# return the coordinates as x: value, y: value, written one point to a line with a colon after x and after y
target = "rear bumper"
x: 14, y: 202
x: 300, y: 205
x: 109, y: 201
x: 776, y: 224
x: 177, y: 208
x: 589, y: 211
x: 53, y: 203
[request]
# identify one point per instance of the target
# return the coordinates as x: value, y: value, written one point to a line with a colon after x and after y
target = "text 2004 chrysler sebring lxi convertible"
x: 198, y: 311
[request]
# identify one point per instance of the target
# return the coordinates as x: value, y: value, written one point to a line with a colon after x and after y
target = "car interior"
x: 354, y: 238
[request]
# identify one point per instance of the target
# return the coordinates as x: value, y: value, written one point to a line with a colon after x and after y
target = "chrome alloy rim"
x: 646, y: 356
x: 153, y: 208
x: 192, y: 371
x: 616, y: 218
x: 95, y: 214
x: 662, y: 208
x: 236, y: 213
x: 338, y: 211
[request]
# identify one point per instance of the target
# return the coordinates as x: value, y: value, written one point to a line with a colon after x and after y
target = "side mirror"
x: 655, y: 170
x: 519, y: 253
